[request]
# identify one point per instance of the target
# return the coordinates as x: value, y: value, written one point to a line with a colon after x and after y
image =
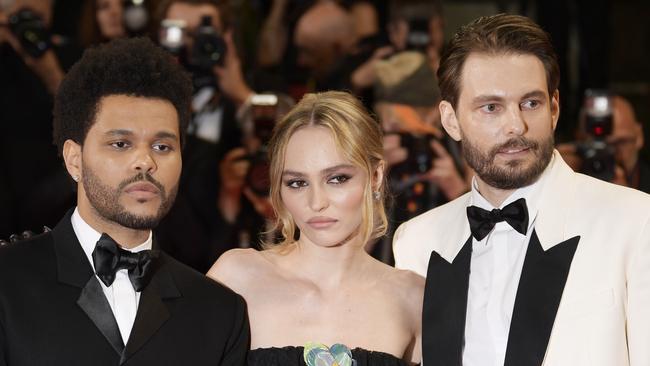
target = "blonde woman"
x: 318, y: 296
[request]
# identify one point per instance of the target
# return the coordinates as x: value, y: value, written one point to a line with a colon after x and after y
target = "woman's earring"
x: 376, y: 195
x: 75, y: 178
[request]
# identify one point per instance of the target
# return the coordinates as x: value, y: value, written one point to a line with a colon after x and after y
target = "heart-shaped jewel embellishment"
x: 317, y: 354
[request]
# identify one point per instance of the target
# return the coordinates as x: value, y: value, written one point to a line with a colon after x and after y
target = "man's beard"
x: 513, y: 175
x: 105, y: 200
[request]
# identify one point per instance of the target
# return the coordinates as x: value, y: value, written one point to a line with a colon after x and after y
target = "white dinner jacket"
x: 584, y: 292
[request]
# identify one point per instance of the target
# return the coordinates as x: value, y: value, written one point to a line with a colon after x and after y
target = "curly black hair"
x: 133, y: 67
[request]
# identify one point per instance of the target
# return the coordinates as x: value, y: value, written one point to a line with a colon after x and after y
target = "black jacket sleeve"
x: 239, y: 341
x: 3, y: 344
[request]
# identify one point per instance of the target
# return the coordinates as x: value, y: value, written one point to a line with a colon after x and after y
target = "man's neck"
x: 633, y: 176
x: 126, y: 237
x: 495, y: 196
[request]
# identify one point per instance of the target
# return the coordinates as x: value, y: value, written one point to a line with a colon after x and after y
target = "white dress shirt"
x: 121, y: 296
x: 495, y: 268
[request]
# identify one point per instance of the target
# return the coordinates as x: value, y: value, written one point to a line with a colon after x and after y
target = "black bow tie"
x: 109, y: 258
x: 481, y: 221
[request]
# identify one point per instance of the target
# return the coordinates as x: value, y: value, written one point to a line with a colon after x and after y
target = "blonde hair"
x: 357, y: 136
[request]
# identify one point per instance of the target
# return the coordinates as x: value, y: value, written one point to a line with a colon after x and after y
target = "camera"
x: 418, y: 38
x: 263, y: 113
x: 208, y: 49
x: 31, y: 32
x: 135, y: 17
x: 598, y: 157
x: 420, y: 154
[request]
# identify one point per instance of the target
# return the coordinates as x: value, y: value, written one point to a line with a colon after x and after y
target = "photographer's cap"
x: 406, y: 78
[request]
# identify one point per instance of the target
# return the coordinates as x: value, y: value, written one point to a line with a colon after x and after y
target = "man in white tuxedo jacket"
x: 537, y: 264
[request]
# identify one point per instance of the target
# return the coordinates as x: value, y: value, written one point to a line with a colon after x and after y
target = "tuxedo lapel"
x: 557, y: 205
x: 74, y: 269
x: 444, y: 309
x: 546, y: 267
x: 541, y: 284
x: 153, y: 312
x: 93, y: 302
x: 72, y: 264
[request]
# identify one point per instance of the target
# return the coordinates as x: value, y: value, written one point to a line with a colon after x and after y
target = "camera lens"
x: 258, y: 175
x: 209, y: 48
x: 30, y: 30
x: 598, y: 160
x: 420, y: 153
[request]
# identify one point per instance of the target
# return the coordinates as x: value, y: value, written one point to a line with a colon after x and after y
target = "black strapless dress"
x: 293, y: 356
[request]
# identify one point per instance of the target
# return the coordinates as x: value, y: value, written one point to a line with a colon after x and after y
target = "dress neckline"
x: 301, y: 348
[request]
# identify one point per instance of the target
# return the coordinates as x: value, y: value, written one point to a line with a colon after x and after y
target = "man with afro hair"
x: 96, y: 290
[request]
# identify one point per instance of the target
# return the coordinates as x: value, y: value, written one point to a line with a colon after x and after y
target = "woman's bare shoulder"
x: 407, y: 286
x: 236, y: 267
x: 410, y: 286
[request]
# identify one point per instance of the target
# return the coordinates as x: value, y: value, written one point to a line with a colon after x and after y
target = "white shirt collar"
x: 531, y: 193
x: 88, y: 237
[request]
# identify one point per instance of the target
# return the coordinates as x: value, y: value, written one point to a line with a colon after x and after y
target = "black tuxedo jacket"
x: 54, y: 312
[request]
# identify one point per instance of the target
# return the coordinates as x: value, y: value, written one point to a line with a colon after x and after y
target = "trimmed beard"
x: 105, y: 200
x: 513, y: 175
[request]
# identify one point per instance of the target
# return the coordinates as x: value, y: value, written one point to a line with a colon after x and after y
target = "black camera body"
x: 418, y: 38
x: 209, y: 47
x: 31, y: 32
x: 420, y: 153
x: 598, y: 159
x: 257, y: 178
x: 264, y: 111
x: 597, y: 156
x: 258, y: 174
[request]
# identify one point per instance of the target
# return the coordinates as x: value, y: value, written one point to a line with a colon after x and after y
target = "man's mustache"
x: 143, y: 177
x: 515, y: 143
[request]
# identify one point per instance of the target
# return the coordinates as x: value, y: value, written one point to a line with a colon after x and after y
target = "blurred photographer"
x: 332, y: 42
x: 243, y: 197
x: 627, y: 139
x: 425, y: 165
x: 105, y: 20
x: 223, y: 203
x: 413, y: 25
x: 24, y: 26
x: 609, y: 141
x: 32, y: 64
x: 198, y: 33
x: 417, y: 25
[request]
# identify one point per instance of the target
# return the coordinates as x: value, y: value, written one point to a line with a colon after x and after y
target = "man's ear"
x: 555, y: 107
x: 640, y: 140
x: 449, y: 120
x: 72, y: 159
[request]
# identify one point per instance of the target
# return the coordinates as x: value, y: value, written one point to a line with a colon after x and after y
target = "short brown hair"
x: 496, y: 34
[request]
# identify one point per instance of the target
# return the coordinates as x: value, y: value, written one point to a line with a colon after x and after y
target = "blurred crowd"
x: 249, y: 61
